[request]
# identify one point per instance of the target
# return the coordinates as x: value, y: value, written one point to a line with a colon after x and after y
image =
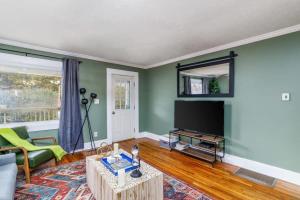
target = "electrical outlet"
x: 285, y: 97
x: 95, y: 134
x: 96, y: 101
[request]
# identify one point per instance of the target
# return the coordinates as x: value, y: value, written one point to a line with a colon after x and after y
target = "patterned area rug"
x: 68, y: 182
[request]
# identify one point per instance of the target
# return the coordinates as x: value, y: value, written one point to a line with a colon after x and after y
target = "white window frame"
x: 34, y: 126
x: 12, y: 60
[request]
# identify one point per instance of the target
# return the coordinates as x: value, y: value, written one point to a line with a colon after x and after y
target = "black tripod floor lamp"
x: 87, y: 106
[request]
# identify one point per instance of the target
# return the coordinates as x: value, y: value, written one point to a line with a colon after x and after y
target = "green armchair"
x: 24, y: 159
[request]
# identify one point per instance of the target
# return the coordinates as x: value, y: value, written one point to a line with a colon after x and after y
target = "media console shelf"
x: 206, y: 147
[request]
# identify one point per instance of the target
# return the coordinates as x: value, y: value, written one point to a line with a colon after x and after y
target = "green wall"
x: 92, y: 75
x: 93, y: 78
x: 258, y: 125
x: 44, y: 133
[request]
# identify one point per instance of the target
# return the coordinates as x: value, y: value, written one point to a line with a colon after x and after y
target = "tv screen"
x: 202, y: 116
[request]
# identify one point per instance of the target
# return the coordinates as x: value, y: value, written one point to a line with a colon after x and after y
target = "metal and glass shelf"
x: 209, y: 148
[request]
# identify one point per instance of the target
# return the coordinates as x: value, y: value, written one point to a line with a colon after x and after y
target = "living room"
x: 149, y: 100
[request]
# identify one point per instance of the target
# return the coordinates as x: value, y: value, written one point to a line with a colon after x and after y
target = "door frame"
x: 109, y: 73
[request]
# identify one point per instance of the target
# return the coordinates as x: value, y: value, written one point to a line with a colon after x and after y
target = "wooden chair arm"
x: 26, y: 161
x: 14, y: 148
x: 25, y: 152
x: 45, y: 138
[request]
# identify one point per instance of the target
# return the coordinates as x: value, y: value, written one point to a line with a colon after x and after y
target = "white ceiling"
x: 141, y: 32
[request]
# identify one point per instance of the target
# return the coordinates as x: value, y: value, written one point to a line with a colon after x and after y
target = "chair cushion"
x: 8, y: 175
x: 35, y: 157
x: 22, y: 132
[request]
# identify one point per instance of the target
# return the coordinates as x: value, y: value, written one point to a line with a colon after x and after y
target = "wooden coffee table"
x: 104, y: 186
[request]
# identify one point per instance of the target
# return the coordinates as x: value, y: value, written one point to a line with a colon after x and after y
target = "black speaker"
x: 84, y: 101
x: 93, y: 95
x: 82, y: 90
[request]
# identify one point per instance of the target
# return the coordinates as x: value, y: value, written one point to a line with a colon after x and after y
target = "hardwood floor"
x: 218, y: 182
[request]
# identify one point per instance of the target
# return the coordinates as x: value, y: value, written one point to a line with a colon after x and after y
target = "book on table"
x: 123, y: 162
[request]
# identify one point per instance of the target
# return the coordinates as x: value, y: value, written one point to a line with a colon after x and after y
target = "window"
x: 30, y: 89
x: 122, y: 95
x: 196, y: 86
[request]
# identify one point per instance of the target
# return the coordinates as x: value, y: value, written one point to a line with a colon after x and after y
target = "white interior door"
x: 123, y: 106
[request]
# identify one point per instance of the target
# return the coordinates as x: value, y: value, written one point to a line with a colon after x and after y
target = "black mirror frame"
x: 226, y: 59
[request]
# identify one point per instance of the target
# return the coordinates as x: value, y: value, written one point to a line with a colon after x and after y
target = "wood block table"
x: 104, y: 186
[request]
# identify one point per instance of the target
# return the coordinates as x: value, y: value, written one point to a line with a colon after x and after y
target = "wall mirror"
x: 210, y: 78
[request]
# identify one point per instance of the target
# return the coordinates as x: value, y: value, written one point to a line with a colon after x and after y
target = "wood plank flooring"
x: 219, y: 182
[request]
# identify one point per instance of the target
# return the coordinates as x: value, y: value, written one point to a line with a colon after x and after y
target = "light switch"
x: 95, y: 134
x: 285, y: 96
x: 96, y: 101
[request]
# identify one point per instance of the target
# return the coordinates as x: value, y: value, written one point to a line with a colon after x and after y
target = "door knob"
x: 113, y: 112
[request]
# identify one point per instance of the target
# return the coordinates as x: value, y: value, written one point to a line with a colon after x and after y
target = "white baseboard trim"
x: 262, y: 168
x: 139, y: 135
x: 150, y: 135
x: 269, y: 170
x: 87, y: 145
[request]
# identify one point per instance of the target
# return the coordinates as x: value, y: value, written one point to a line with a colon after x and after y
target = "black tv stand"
x: 206, y: 147
x: 206, y: 144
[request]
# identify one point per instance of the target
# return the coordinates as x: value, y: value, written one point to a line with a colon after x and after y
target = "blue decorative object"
x: 123, y: 162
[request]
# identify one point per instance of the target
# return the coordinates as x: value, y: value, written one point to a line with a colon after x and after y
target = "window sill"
x: 34, y: 126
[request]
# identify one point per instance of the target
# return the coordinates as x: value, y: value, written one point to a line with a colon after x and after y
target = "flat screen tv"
x: 205, y: 117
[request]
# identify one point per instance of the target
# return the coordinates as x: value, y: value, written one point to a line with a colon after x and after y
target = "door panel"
x: 122, y: 107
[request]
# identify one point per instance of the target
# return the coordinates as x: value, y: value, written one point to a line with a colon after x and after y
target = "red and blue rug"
x: 68, y: 182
